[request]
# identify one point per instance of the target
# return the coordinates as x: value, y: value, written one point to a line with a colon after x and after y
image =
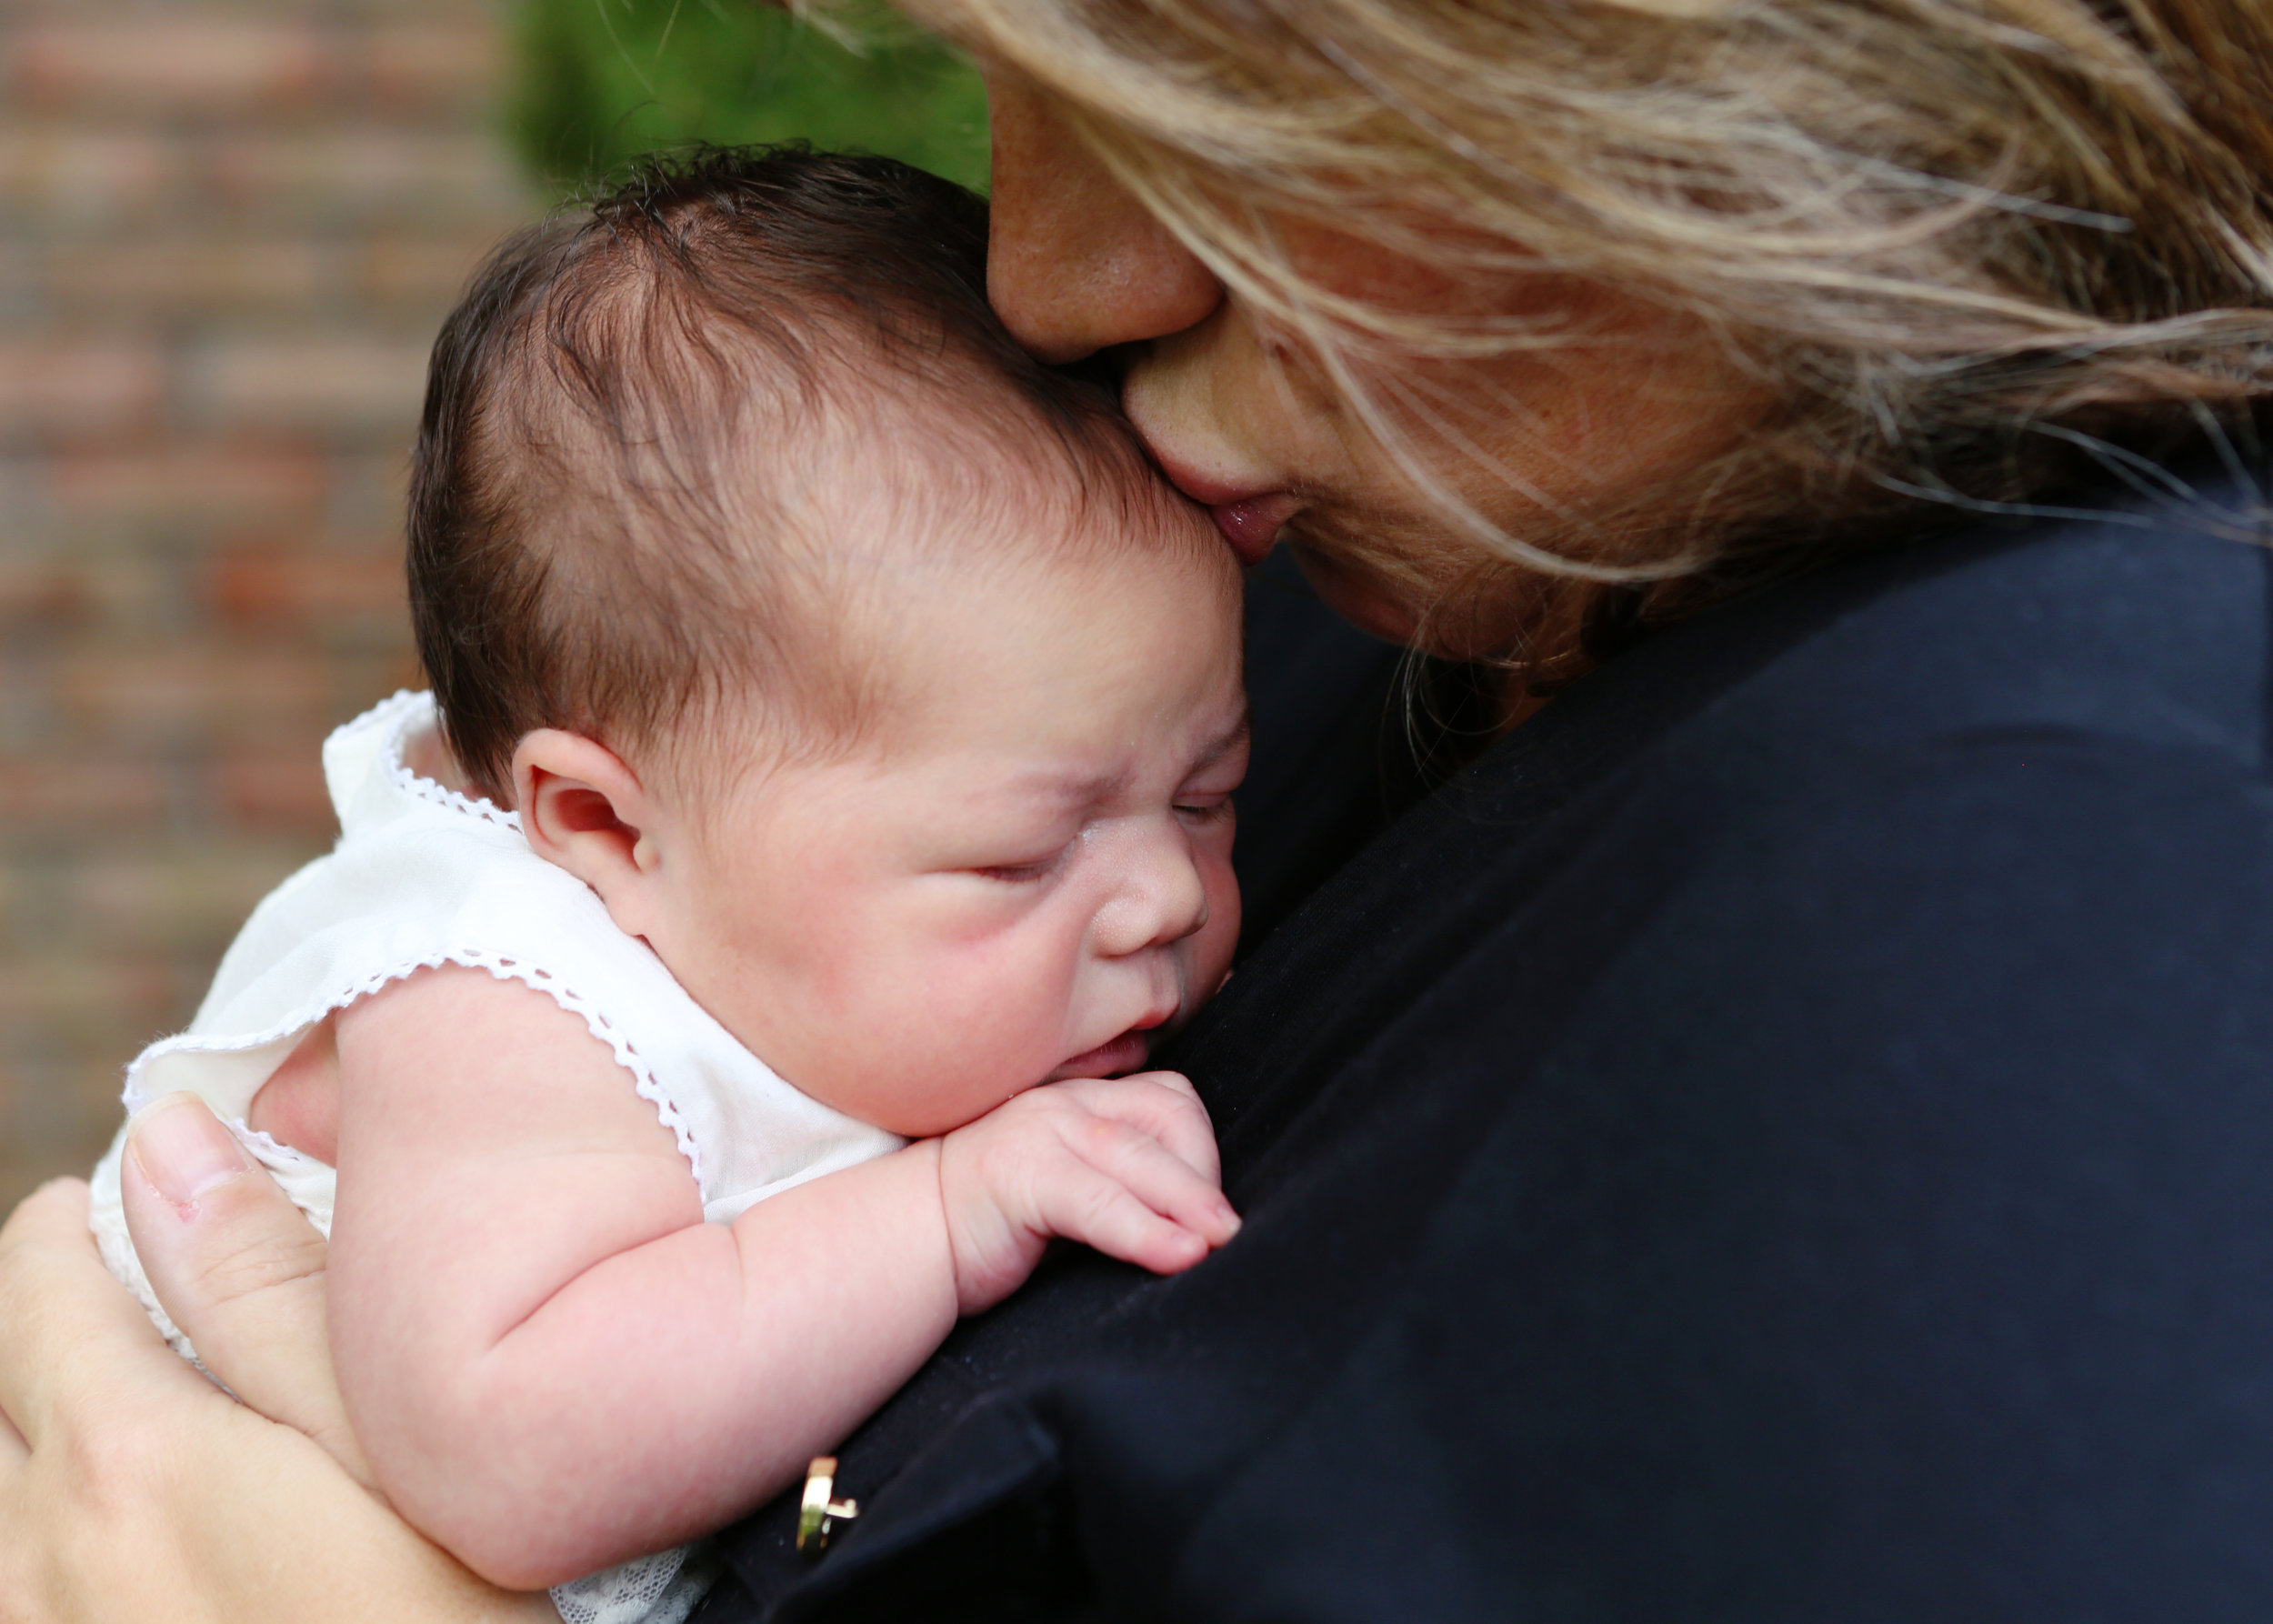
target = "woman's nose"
x: 1159, y: 898
x: 1074, y: 263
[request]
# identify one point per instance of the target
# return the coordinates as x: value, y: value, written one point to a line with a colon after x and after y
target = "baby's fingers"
x: 1165, y: 1105
x: 1164, y: 1181
x: 1082, y: 1204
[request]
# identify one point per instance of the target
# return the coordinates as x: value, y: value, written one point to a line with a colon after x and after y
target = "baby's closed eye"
x: 1018, y: 874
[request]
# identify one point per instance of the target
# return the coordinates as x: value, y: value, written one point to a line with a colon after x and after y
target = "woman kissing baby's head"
x: 861, y: 665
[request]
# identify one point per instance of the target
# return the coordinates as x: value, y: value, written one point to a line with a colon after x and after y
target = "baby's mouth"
x: 1122, y: 1055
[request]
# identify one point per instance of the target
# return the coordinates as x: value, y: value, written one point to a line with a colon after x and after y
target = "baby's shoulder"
x: 421, y: 876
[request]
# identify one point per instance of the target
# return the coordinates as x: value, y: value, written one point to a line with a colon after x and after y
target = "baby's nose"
x: 1160, y: 899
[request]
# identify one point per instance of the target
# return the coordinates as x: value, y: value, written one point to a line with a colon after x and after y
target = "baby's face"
x: 1025, y: 876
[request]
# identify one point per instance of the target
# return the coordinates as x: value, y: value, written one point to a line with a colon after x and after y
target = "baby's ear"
x: 584, y: 809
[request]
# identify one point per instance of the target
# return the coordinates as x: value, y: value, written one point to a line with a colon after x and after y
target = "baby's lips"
x: 1114, y: 1058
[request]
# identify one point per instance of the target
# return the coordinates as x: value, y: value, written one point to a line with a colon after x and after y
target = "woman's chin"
x: 1475, y: 618
x: 1352, y: 594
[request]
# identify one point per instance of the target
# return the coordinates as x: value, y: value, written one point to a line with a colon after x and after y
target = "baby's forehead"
x: 955, y: 443
x: 910, y: 492
x: 1012, y: 589
x: 1042, y: 640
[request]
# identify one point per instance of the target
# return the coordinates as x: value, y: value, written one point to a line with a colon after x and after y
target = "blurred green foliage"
x: 600, y: 81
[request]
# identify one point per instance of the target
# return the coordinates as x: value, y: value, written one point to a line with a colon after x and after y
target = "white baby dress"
x: 421, y: 878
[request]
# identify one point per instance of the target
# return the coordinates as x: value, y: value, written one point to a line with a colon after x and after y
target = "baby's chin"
x: 1123, y: 1054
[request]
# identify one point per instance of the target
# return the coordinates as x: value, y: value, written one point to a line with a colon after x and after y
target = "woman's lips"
x: 1249, y: 519
x: 1252, y: 524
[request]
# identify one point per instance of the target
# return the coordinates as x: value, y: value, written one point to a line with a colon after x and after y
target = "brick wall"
x: 228, y: 229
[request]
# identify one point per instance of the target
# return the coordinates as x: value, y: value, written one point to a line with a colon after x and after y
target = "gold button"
x: 818, y: 1515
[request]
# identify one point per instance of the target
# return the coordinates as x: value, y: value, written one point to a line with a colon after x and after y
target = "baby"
x: 830, y: 806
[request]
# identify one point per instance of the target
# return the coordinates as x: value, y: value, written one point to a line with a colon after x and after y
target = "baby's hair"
x: 590, y: 546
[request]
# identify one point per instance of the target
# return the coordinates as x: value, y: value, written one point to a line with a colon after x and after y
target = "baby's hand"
x: 1126, y: 1165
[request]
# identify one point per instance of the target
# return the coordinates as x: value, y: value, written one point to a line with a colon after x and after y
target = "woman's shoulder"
x: 2139, y: 637
x: 2011, y: 741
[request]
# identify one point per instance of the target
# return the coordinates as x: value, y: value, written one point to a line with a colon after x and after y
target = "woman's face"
x: 1242, y: 418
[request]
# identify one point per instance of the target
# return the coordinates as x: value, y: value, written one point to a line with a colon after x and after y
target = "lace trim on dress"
x: 663, y: 1588
x: 643, y: 1081
x: 260, y: 1141
x: 399, y: 711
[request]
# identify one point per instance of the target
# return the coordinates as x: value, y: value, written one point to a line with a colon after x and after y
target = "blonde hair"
x: 1968, y: 246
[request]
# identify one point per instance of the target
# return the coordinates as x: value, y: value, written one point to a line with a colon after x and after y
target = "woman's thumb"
x: 238, y: 1267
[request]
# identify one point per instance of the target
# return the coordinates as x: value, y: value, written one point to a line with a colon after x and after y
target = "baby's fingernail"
x: 181, y: 1151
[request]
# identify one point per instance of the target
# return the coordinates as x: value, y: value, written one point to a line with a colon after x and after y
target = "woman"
x: 1780, y: 1134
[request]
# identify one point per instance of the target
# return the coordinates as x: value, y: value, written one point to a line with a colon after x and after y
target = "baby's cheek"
x: 1218, y: 940
x: 993, y: 1018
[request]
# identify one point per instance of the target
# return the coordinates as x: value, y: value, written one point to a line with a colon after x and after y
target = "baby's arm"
x: 554, y: 1364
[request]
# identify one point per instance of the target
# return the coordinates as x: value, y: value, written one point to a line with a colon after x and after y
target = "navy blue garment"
x: 1785, y: 1137
x: 1341, y: 723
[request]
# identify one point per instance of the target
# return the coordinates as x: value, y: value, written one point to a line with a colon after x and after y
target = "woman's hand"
x: 130, y: 1488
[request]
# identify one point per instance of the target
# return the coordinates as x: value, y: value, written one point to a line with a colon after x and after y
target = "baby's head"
x: 860, y: 663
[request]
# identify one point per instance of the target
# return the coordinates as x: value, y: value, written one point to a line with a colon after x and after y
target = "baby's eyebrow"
x: 1055, y: 791
x: 1232, y: 738
x: 1047, y: 788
